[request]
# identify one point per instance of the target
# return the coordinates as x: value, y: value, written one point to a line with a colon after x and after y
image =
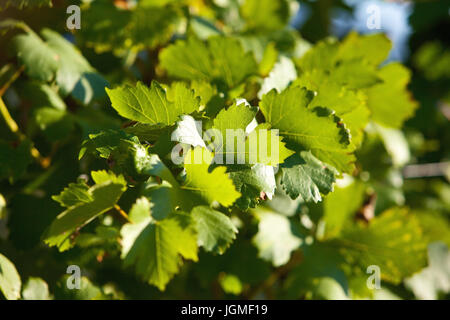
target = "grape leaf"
x: 24, y: 3
x: 258, y: 146
x: 74, y: 194
x: 215, y: 230
x: 252, y: 182
x: 35, y: 289
x: 341, y: 206
x: 265, y: 15
x: 305, y: 176
x: 275, y: 240
x: 105, y: 193
x: 102, y: 144
x: 40, y: 61
x: 435, y: 278
x: 350, y: 105
x: 10, y: 282
x: 282, y: 74
x: 219, y: 59
x: 391, y: 241
x: 153, y: 105
x: 315, y: 129
x: 189, y: 132
x: 156, y: 247
x: 74, y: 75
x: 108, y: 27
x: 372, y: 48
x: 210, y: 186
x: 391, y: 104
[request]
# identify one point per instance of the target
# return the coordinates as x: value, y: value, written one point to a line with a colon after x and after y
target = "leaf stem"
x: 11, y: 80
x: 122, y: 212
x: 12, y: 125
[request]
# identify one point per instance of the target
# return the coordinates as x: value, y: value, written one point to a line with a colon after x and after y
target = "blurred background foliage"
x: 119, y: 42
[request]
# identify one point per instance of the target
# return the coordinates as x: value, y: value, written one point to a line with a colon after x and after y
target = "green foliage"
x: 156, y: 247
x: 83, y: 205
x: 221, y: 59
x: 10, y: 282
x: 35, y: 289
x: 204, y: 149
x: 24, y: 3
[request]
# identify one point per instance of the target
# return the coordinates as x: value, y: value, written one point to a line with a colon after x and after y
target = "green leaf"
x: 153, y: 105
x: 372, y: 48
x: 265, y: 15
x: 40, y: 61
x: 10, y: 282
x: 102, y: 144
x: 215, y: 230
x: 35, y: 289
x: 266, y: 147
x: 435, y: 225
x: 24, y: 3
x: 252, y: 182
x: 258, y: 146
x: 220, y: 59
x: 87, y: 291
x: 341, y: 206
x: 105, y: 193
x: 318, y: 276
x: 188, y: 131
x: 435, y: 278
x: 74, y: 194
x: 282, y: 74
x: 210, y: 186
x: 391, y: 241
x: 56, y: 124
x: 189, y: 60
x: 390, y: 102
x: 314, y: 129
x: 231, y: 284
x: 43, y: 95
x: 147, y: 25
x: 350, y: 105
x: 155, y: 247
x: 275, y: 240
x: 305, y: 176
x: 235, y: 120
x: 74, y: 75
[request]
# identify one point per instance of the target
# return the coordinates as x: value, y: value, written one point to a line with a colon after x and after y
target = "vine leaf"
x: 275, y: 240
x: 40, y: 61
x: 153, y: 105
x: 256, y: 146
x: 24, y: 3
x: 315, y: 129
x: 251, y: 182
x: 393, y: 241
x: 390, y: 102
x: 220, y: 59
x: 305, y: 176
x: 210, y: 186
x: 74, y: 194
x: 10, y: 282
x: 103, y: 196
x: 215, y: 230
x: 156, y: 248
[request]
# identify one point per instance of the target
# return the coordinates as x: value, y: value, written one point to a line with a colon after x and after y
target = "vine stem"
x: 12, y: 125
x: 122, y: 212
